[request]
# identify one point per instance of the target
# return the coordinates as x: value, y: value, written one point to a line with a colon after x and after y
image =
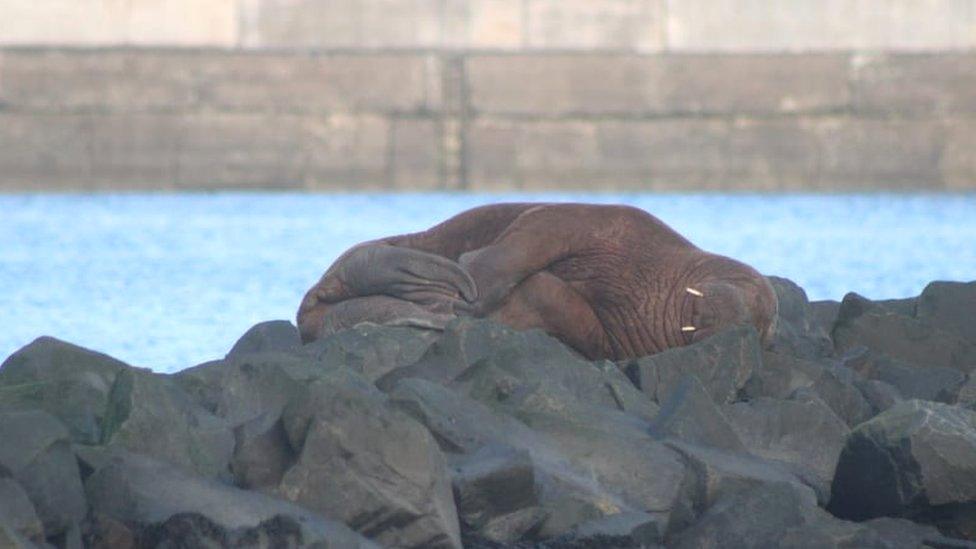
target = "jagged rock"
x: 17, y: 512
x: 483, y: 352
x: 905, y: 534
x: 723, y: 363
x: 949, y: 306
x: 932, y: 383
x: 880, y: 395
x: 363, y: 462
x: 967, y: 393
x: 771, y: 515
x: 271, y: 336
x: 168, y: 506
x: 150, y: 414
x: 824, y: 313
x: 496, y: 495
x: 916, y: 341
x: 630, y: 530
x: 67, y: 381
x: 798, y: 330
x: 262, y: 453
x: 36, y: 450
x: 246, y: 386
x: 372, y: 350
x: 104, y: 532
x: 779, y: 376
x: 837, y: 387
x: 806, y: 433
x: 11, y: 539
x: 689, y: 414
x: 914, y: 455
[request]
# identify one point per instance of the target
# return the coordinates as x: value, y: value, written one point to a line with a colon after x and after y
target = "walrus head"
x: 731, y: 294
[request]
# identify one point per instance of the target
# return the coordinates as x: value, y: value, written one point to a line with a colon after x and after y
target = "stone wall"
x: 487, y: 94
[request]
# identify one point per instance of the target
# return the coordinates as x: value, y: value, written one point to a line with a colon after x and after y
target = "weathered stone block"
x: 341, y: 23
x: 103, y: 22
x: 554, y: 85
x: 943, y: 83
x: 483, y: 24
x: 804, y: 25
x: 583, y: 24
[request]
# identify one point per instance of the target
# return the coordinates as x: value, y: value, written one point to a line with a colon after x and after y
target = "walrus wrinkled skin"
x: 610, y: 281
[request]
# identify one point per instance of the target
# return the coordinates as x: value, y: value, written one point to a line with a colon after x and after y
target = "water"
x: 169, y: 281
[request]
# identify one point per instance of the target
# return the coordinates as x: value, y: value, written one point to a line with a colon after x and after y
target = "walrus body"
x: 611, y: 281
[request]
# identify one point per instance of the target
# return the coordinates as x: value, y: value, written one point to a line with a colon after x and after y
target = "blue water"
x: 169, y: 281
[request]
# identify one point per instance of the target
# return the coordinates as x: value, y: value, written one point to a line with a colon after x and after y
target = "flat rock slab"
x: 914, y: 455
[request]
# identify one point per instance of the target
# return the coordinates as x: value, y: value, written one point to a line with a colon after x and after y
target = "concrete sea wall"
x: 487, y: 94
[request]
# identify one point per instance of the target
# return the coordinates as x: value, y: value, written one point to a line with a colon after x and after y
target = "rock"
x: 150, y: 414
x: 798, y: 331
x: 370, y: 349
x: 105, y: 532
x: 905, y: 534
x: 626, y: 530
x: 949, y: 306
x: 11, y: 539
x: 916, y: 341
x: 837, y: 387
x: 495, y: 494
x: 779, y: 376
x: 246, y: 386
x: 368, y: 465
x: 723, y: 363
x: 824, y: 313
x: 262, y: 453
x: 689, y: 414
x: 67, y: 381
x: 271, y: 336
x: 36, y: 451
x: 914, y: 455
x: 771, y: 515
x: 17, y: 512
x: 933, y: 383
x: 880, y: 395
x: 168, y: 506
x: 474, y: 352
x: 806, y: 433
x: 967, y: 393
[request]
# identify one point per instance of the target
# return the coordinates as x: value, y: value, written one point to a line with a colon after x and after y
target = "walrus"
x: 613, y: 282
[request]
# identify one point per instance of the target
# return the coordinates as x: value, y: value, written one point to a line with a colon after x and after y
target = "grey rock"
x: 624, y: 530
x: 149, y: 414
x: 17, y: 512
x: 950, y: 306
x: 798, y: 331
x: 916, y: 341
x: 880, y: 395
x: 905, y: 534
x: 166, y: 505
x: 771, y: 515
x: 262, y: 453
x: 243, y: 387
x: 370, y: 349
x: 105, y: 532
x: 967, y: 393
x: 934, y: 383
x: 368, y: 465
x: 837, y: 387
x: 496, y: 495
x: 915, y: 454
x: 779, y: 376
x: 689, y: 414
x: 11, y: 539
x: 806, y: 433
x: 270, y: 336
x: 36, y: 451
x: 824, y: 313
x: 473, y: 352
x: 723, y: 363
x: 67, y: 381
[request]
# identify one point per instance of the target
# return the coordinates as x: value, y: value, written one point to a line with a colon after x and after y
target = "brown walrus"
x: 610, y: 281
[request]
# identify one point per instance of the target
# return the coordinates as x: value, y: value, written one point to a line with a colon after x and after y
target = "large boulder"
x: 806, y: 433
x: 36, y: 451
x: 772, y: 515
x: 798, y: 330
x: 167, y: 507
x: 949, y: 306
x: 362, y: 462
x: 271, y: 336
x: 917, y: 341
x: 690, y: 414
x: 939, y: 384
x: 67, y: 381
x: 915, y: 455
x: 370, y: 349
x: 17, y: 512
x: 149, y: 414
x: 723, y: 364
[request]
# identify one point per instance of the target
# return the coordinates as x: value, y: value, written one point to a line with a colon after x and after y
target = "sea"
x: 168, y: 281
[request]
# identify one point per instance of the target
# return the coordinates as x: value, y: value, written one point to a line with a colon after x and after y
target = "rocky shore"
x: 857, y: 429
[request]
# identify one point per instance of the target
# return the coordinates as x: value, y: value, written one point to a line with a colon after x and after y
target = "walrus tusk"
x: 693, y: 291
x: 688, y: 328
